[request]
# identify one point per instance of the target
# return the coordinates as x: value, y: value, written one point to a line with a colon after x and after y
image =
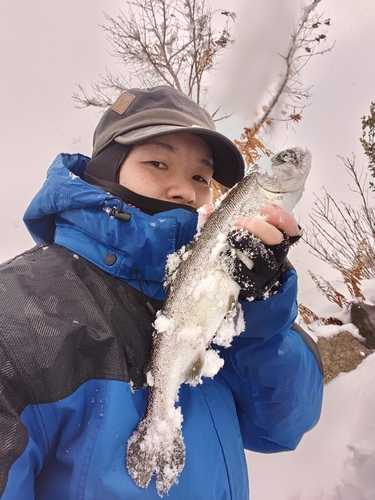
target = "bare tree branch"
x: 170, y: 42
x: 344, y: 236
x: 304, y: 42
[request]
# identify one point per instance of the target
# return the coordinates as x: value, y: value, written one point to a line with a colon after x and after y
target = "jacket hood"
x: 70, y: 212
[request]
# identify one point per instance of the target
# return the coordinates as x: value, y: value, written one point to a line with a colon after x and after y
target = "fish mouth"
x: 280, y: 191
x: 270, y: 190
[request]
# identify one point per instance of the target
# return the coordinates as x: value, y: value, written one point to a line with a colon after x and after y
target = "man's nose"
x: 181, y: 190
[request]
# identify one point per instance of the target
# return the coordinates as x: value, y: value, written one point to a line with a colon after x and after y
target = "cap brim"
x: 229, y: 167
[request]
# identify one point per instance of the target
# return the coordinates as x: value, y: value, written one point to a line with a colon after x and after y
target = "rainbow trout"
x: 201, y: 309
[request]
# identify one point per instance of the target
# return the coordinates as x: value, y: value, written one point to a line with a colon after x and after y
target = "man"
x: 77, y: 312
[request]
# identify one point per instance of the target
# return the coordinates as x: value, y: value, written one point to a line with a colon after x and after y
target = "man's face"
x: 177, y: 168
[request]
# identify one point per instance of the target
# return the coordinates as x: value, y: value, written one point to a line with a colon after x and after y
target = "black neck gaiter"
x: 102, y: 171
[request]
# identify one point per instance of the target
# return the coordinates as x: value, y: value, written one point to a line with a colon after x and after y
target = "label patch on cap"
x: 122, y: 103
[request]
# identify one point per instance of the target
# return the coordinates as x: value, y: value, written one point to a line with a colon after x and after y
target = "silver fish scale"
x: 236, y: 204
x: 196, y: 307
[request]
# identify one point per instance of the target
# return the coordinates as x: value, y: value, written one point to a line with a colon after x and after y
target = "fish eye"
x: 288, y: 156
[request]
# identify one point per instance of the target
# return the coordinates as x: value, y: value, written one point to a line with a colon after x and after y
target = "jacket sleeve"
x: 20, y: 458
x: 275, y: 373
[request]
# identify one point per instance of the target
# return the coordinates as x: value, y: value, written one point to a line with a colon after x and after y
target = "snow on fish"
x: 201, y: 309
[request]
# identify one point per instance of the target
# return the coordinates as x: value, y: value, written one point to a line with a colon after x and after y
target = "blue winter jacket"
x: 73, y: 445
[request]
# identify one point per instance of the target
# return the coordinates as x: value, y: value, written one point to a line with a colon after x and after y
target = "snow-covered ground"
x: 336, y: 459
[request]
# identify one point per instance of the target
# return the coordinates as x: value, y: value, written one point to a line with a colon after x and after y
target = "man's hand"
x: 259, y: 248
x: 271, y: 227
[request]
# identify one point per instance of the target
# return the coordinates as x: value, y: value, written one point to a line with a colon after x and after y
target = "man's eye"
x: 157, y: 164
x: 202, y: 179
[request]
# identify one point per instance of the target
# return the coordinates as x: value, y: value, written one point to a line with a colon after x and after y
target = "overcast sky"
x: 47, y: 47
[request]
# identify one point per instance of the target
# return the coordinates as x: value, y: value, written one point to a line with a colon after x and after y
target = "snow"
x: 203, y: 214
x: 331, y: 330
x: 336, y: 459
x: 163, y: 324
x: 173, y: 262
x: 212, y: 364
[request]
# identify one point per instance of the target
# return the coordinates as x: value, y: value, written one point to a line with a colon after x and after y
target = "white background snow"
x: 336, y: 459
x: 47, y: 47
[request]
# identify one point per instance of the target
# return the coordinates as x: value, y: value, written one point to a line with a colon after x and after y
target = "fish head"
x: 287, y: 171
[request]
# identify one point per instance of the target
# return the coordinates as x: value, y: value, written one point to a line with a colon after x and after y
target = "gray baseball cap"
x: 139, y: 114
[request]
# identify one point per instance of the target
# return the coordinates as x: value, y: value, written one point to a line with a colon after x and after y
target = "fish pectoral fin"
x: 231, y: 307
x: 232, y: 325
x: 194, y: 373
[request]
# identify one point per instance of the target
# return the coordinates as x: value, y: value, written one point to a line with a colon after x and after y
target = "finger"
x: 281, y: 219
x: 266, y: 232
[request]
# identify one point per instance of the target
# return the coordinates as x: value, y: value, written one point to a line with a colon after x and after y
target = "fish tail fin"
x: 156, y: 449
